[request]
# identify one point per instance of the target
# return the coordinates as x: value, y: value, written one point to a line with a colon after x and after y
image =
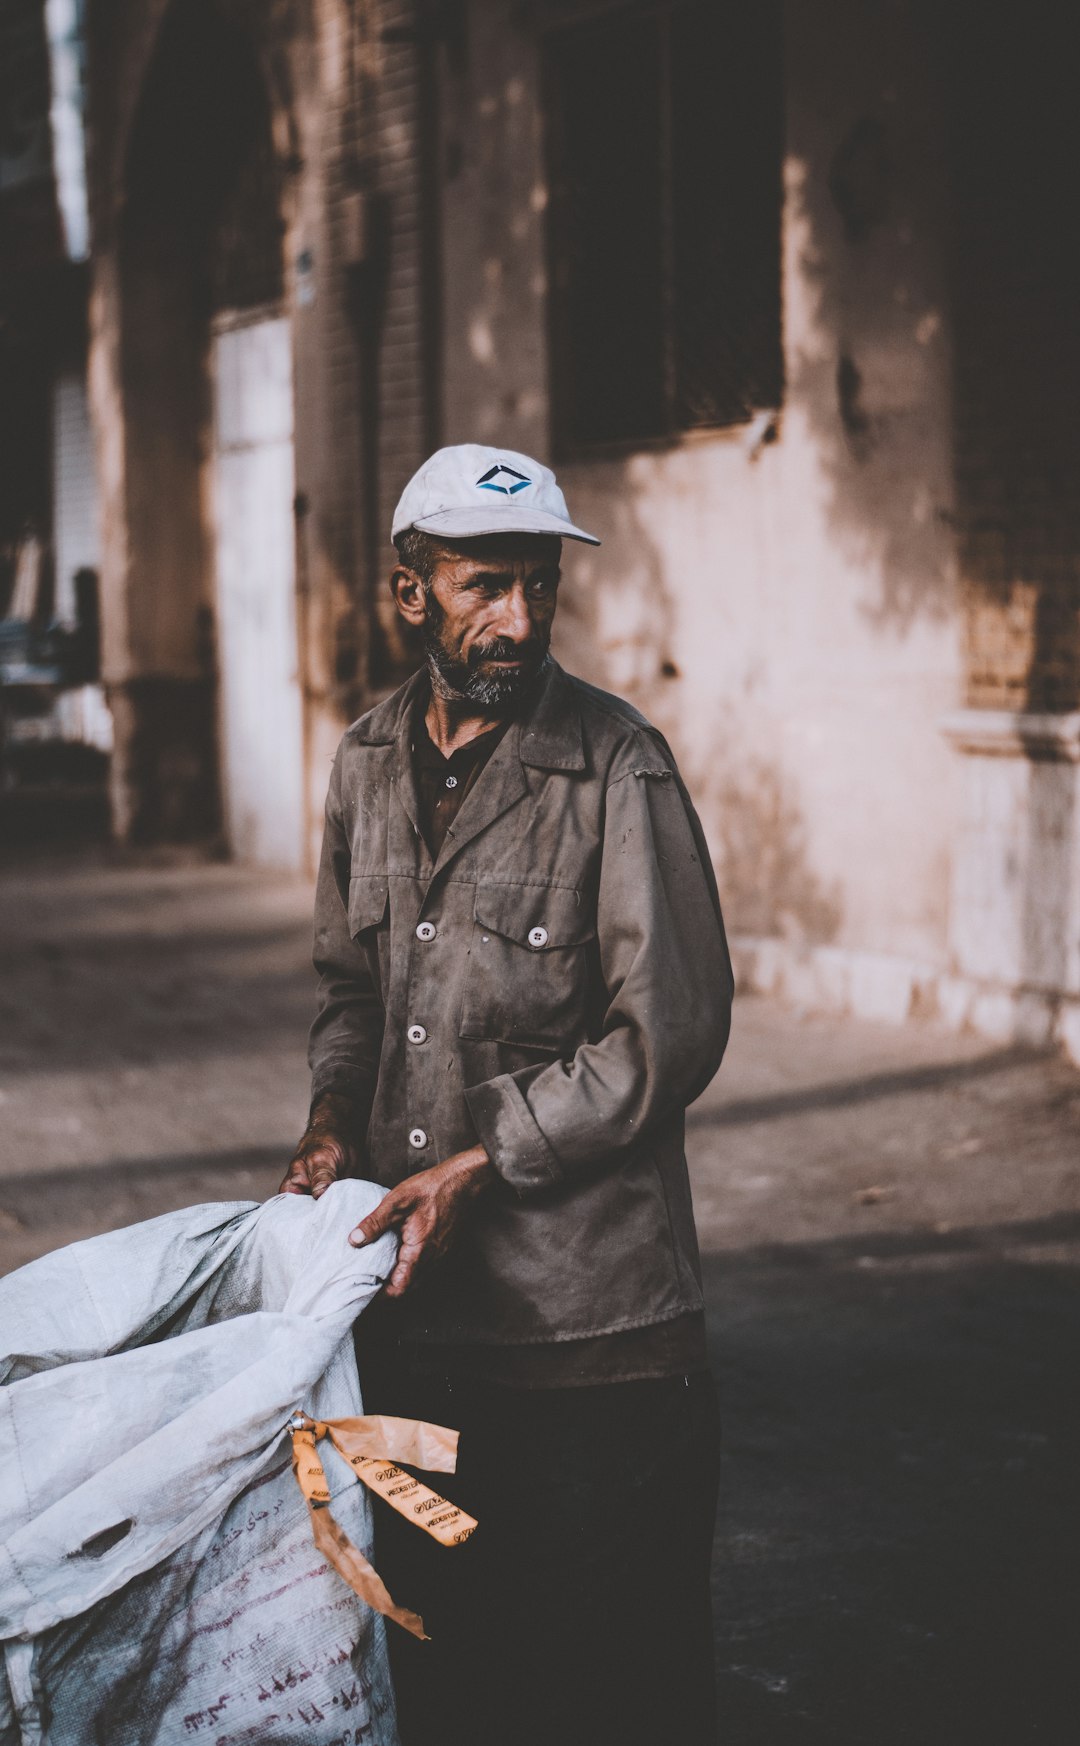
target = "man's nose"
x: 515, y: 621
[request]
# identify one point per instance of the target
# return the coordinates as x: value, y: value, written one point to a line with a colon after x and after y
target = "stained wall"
x: 781, y: 598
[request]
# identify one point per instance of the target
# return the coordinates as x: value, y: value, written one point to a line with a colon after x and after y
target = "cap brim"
x: 469, y: 524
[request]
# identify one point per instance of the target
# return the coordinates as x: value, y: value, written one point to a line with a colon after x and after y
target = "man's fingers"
x: 404, y: 1268
x: 416, y: 1234
x: 296, y: 1179
x: 323, y: 1173
x: 311, y: 1172
x: 387, y: 1216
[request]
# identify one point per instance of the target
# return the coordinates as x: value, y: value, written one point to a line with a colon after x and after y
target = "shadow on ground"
x: 896, y: 1558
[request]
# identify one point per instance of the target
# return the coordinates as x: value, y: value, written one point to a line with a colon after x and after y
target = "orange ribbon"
x: 372, y: 1446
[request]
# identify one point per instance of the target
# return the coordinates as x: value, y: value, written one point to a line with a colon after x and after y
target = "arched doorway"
x: 206, y: 366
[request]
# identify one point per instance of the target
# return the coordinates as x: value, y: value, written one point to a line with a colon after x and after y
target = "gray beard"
x: 457, y: 683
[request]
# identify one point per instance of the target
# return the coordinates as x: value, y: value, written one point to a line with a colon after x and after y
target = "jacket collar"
x: 383, y: 724
x: 549, y: 738
x: 551, y: 732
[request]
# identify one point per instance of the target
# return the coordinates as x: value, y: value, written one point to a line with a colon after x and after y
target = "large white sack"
x: 158, y: 1581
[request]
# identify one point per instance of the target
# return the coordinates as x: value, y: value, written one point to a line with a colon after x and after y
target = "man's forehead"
x: 502, y: 551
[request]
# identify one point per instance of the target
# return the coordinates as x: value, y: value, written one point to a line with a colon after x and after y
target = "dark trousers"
x: 578, y: 1614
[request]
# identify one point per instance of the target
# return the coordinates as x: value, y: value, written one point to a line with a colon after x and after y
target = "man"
x: 524, y: 982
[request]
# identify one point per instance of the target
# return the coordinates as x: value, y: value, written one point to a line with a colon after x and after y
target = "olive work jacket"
x: 556, y: 985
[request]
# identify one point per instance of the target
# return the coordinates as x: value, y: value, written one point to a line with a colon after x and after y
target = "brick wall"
x: 374, y: 326
x: 406, y: 413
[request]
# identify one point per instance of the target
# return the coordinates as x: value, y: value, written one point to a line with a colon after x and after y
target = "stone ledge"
x: 1005, y: 733
x: 877, y: 985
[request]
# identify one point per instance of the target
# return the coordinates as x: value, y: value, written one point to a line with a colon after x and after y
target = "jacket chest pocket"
x: 528, y: 976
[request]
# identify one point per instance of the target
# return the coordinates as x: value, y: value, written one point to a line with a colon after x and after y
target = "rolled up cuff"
x: 510, y: 1136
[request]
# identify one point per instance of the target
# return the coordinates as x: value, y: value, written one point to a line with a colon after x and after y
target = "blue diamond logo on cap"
x: 492, y: 480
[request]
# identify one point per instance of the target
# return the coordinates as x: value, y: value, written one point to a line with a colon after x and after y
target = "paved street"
x: 891, y: 1224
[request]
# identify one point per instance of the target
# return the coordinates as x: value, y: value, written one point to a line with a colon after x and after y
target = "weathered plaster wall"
x: 151, y: 407
x: 785, y: 610
x: 332, y: 622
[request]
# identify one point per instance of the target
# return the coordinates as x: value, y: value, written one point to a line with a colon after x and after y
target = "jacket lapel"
x: 403, y: 785
x: 551, y: 736
x: 387, y: 733
x: 499, y: 786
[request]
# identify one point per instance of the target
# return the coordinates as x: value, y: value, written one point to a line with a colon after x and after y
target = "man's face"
x: 489, y: 610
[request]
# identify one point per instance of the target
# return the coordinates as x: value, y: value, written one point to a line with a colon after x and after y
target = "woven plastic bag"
x: 158, y: 1579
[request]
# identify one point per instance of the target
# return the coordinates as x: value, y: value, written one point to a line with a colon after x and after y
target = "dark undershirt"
x: 442, y: 783
x: 671, y: 1348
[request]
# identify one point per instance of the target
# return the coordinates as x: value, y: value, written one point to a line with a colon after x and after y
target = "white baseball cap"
x: 469, y: 489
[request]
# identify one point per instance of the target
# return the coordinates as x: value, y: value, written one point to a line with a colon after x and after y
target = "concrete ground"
x: 891, y: 1227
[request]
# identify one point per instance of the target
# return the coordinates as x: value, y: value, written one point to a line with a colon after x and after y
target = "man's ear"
x: 408, y: 591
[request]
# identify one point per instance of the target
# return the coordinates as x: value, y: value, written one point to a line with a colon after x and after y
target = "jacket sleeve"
x: 346, y: 1037
x: 667, y: 973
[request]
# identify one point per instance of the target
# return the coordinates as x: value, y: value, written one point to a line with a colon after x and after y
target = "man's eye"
x: 541, y: 588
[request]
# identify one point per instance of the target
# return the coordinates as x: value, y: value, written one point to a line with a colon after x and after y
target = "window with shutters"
x: 664, y: 147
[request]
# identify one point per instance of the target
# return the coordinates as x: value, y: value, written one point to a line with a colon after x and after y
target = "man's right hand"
x: 327, y: 1151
